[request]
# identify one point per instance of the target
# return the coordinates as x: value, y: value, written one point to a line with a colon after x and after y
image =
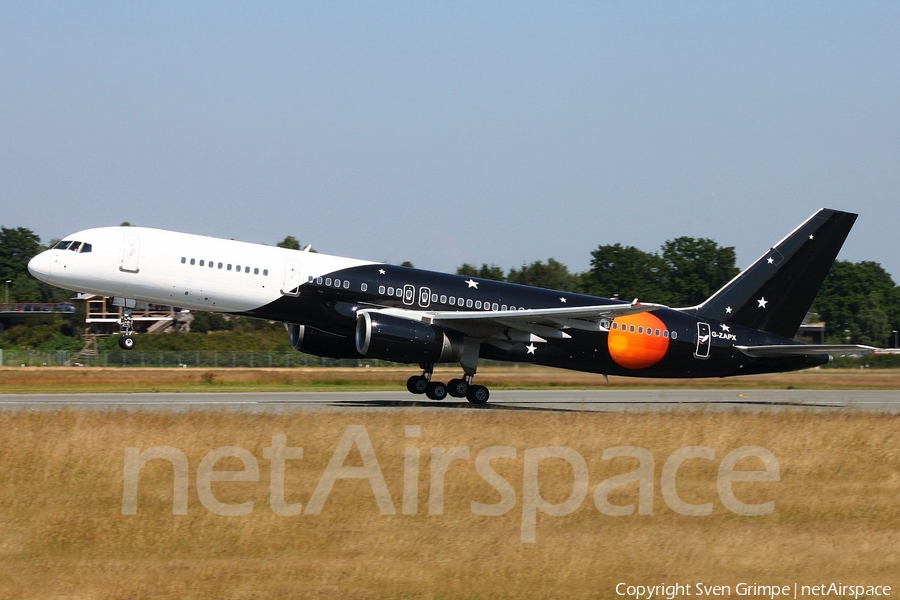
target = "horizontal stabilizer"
x: 780, y: 350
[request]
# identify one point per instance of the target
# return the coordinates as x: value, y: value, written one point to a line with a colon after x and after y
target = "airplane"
x: 341, y: 307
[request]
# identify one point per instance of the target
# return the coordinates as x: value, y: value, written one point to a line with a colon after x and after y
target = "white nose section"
x: 39, y: 266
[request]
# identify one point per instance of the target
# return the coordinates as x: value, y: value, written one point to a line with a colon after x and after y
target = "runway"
x: 537, y: 400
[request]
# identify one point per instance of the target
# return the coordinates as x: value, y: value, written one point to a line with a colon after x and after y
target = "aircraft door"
x: 704, y: 341
x: 424, y: 297
x: 409, y: 294
x: 131, y: 253
x: 291, y: 284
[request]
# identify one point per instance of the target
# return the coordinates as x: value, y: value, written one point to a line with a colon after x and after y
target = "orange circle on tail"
x: 635, y: 350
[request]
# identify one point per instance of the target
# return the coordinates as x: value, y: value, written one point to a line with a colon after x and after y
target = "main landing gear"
x: 457, y: 388
x: 126, y: 340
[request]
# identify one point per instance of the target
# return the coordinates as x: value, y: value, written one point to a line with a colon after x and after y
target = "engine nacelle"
x: 403, y: 340
x: 315, y: 341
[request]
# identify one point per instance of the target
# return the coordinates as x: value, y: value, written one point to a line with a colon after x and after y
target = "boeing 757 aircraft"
x: 347, y: 308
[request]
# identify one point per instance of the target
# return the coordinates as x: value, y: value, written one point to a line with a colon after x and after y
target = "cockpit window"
x: 74, y: 246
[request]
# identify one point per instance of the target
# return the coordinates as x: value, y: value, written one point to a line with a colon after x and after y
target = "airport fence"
x: 187, y: 358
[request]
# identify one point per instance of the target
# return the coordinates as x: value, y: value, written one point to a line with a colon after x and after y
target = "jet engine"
x: 404, y: 340
x: 318, y: 342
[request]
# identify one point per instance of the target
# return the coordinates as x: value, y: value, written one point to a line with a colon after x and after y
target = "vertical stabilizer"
x: 775, y: 292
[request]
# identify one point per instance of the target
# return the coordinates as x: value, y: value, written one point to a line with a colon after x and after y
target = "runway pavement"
x: 555, y: 400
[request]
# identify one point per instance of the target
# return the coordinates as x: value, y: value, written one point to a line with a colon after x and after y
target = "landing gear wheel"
x: 478, y: 394
x: 458, y: 388
x: 417, y: 384
x: 436, y: 390
x: 126, y: 342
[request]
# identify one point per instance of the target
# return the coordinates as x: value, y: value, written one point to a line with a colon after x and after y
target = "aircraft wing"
x: 499, y: 327
x: 804, y: 349
x: 548, y: 316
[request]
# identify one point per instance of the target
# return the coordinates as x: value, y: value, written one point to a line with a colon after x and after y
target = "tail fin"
x: 774, y: 293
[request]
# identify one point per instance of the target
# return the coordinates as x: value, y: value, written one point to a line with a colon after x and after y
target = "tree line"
x: 859, y: 302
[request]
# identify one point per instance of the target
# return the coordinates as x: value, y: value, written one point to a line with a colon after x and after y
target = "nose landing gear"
x: 126, y: 340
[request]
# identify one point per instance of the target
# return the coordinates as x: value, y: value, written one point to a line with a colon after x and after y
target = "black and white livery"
x: 346, y: 308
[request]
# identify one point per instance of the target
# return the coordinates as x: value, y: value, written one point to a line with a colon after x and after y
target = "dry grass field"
x: 94, y: 379
x: 63, y: 535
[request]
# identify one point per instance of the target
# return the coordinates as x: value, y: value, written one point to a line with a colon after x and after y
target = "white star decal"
x: 563, y: 300
x: 762, y: 302
x: 531, y: 348
x: 472, y: 284
x: 725, y: 327
x: 381, y: 271
x: 728, y: 310
x: 811, y: 237
x: 770, y: 260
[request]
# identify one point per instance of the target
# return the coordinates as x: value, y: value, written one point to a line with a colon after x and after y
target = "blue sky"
x: 444, y: 133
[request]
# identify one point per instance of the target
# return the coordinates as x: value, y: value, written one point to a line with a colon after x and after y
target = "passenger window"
x: 265, y: 272
x: 246, y: 269
x: 640, y: 330
x: 656, y: 333
x: 229, y: 267
x: 183, y: 260
x: 220, y: 265
x: 478, y: 304
x: 666, y: 333
x: 390, y: 291
x: 512, y: 308
x: 400, y: 293
x: 381, y: 290
x: 337, y: 283
x: 256, y: 271
x: 319, y: 280
x: 494, y: 306
x: 503, y: 307
x: 434, y: 297
x: 238, y: 268
x: 86, y: 248
x: 631, y: 329
x: 443, y: 299
x: 202, y: 264
x: 674, y: 335
x: 193, y: 261
x: 364, y: 287
x: 452, y: 300
x: 346, y: 285
x: 328, y: 281
x: 468, y: 303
